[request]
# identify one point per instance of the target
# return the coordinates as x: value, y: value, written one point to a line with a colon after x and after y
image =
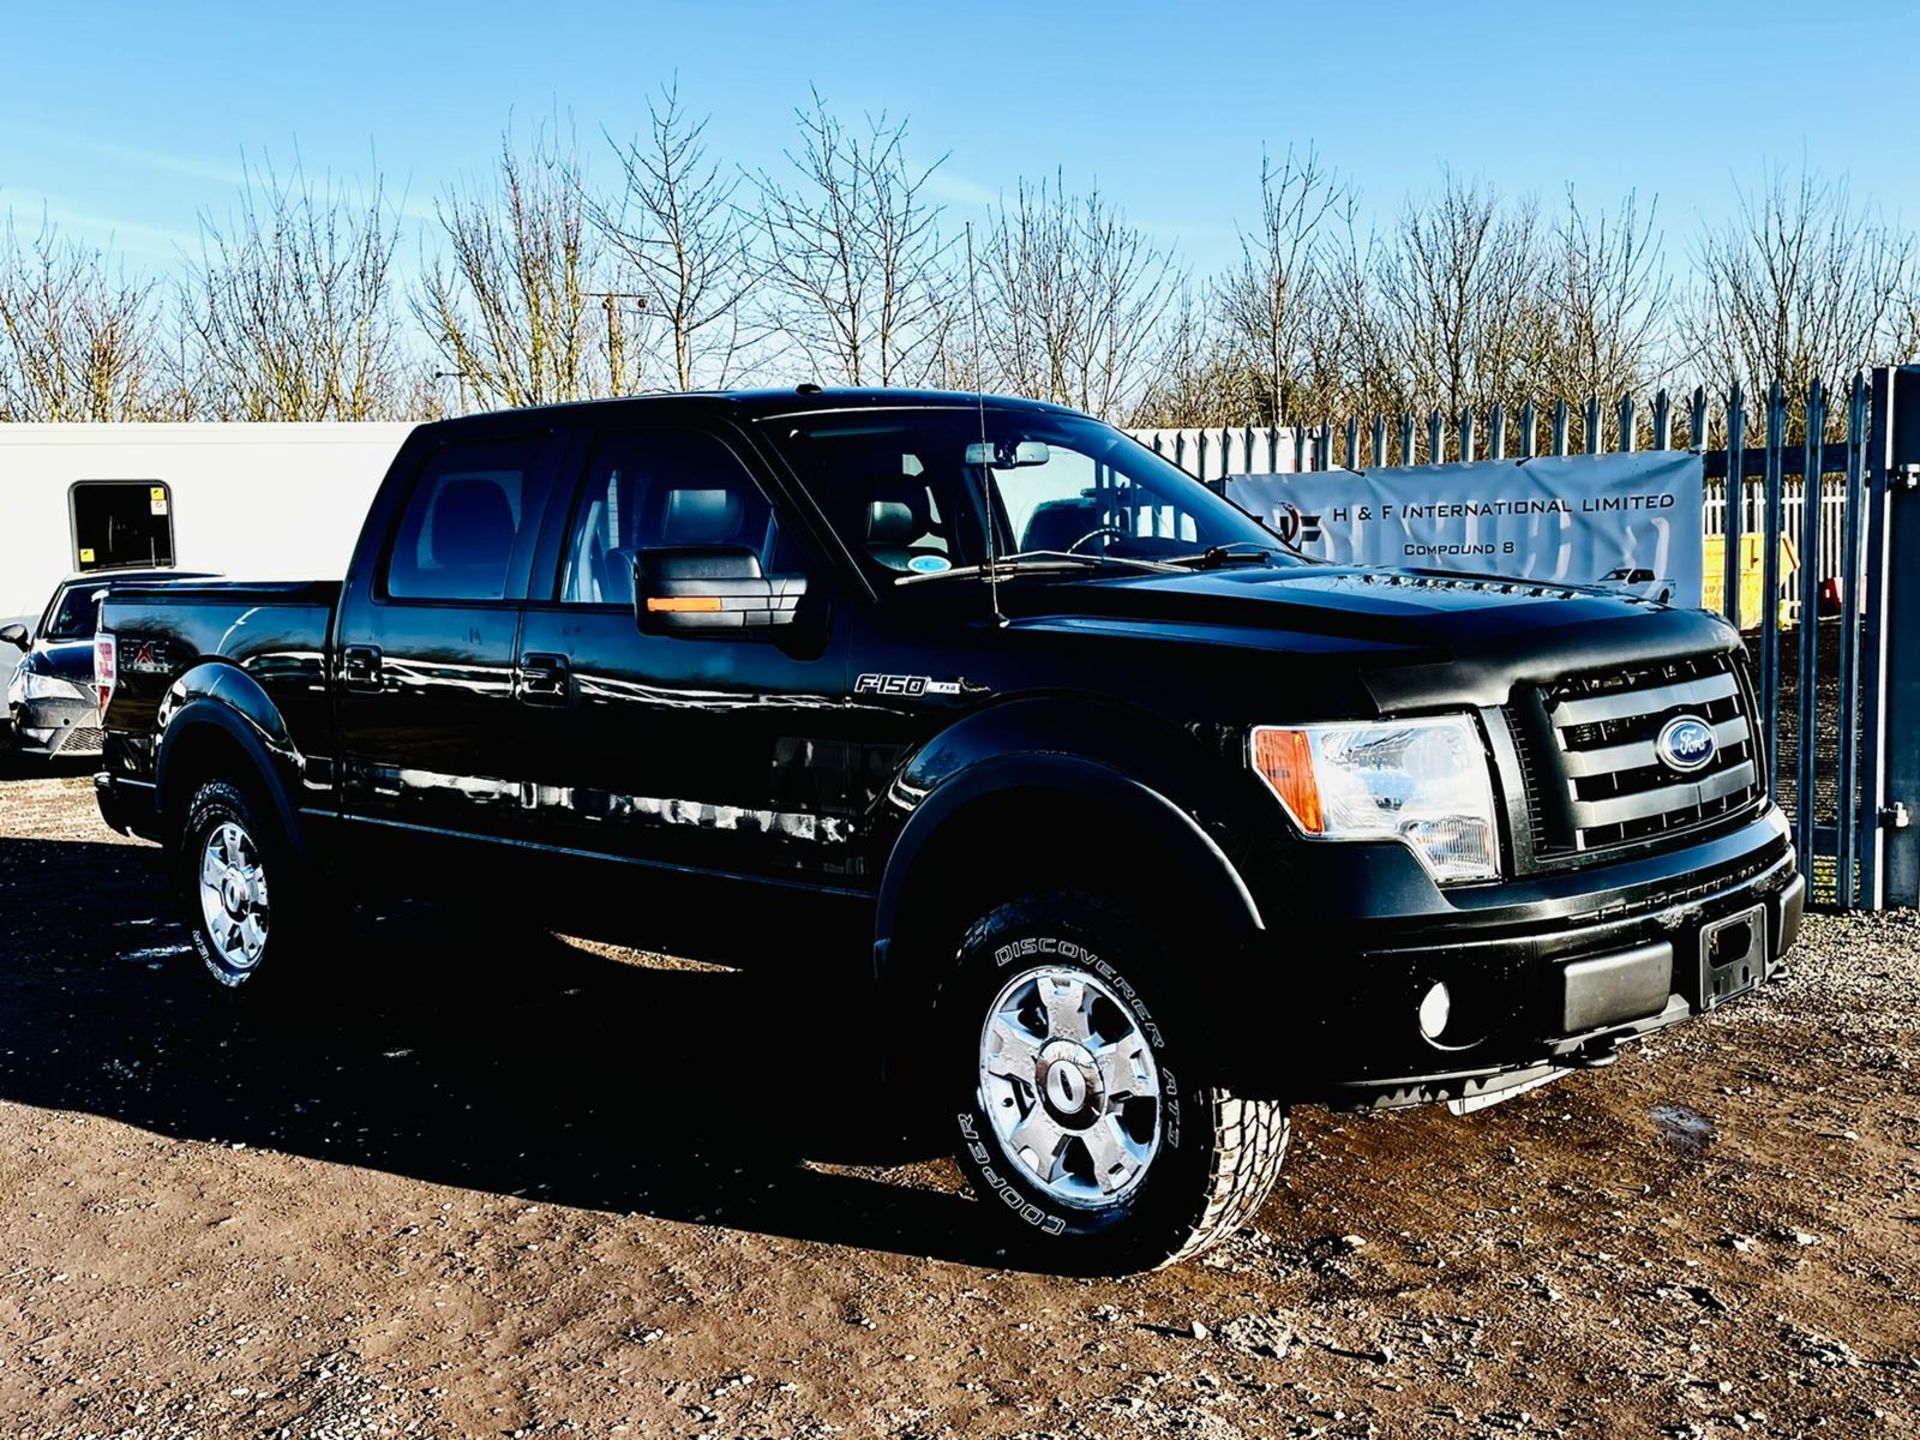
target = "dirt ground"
x: 494, y: 1186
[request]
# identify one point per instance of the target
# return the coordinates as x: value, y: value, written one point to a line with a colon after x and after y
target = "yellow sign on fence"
x: 1752, y: 577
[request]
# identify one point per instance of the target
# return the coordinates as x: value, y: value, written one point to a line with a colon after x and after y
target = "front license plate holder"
x: 1733, y: 956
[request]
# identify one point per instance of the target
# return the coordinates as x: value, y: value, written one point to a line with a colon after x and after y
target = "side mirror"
x: 16, y: 636
x: 711, y: 590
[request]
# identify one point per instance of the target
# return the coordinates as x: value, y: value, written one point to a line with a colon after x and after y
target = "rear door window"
x: 471, y: 516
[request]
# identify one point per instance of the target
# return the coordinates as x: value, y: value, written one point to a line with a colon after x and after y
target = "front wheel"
x: 1086, y: 1114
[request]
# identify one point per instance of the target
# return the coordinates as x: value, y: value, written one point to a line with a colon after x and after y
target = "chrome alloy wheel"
x: 233, y: 897
x: 1068, y: 1079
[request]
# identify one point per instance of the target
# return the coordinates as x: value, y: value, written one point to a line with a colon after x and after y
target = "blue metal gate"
x: 1818, y: 507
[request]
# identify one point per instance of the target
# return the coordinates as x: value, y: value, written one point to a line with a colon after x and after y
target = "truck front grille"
x: 1616, y: 786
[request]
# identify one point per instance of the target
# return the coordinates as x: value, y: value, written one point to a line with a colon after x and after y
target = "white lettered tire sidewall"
x: 1178, y: 1206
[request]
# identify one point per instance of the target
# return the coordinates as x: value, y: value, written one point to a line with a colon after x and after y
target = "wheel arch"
x: 997, y: 826
x: 219, y: 723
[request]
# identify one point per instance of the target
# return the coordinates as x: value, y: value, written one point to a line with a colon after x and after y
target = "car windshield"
x: 76, y: 615
x: 903, y: 488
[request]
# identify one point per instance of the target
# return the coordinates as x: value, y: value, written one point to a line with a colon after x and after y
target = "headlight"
x: 1422, y: 782
x: 35, y: 686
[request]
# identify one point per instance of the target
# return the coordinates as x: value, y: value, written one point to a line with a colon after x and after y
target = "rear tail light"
x: 105, y: 668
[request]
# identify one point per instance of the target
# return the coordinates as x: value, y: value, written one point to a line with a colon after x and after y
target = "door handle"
x: 544, y: 679
x: 360, y: 666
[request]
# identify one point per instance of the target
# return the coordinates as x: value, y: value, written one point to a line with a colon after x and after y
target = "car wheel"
x: 1085, y: 1113
x: 237, y: 885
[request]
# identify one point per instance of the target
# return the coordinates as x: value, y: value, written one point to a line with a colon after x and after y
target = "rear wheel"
x: 237, y: 884
x: 1086, y: 1114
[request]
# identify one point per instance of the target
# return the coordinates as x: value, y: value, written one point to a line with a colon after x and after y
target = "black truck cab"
x: 1153, y: 827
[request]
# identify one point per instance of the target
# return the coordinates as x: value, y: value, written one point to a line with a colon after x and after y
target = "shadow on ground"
x: 512, y: 1063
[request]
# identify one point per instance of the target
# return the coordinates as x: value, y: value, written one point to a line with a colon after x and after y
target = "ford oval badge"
x: 1686, y: 743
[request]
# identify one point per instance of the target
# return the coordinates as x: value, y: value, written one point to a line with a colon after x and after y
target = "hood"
x: 1419, y: 636
x: 70, y: 660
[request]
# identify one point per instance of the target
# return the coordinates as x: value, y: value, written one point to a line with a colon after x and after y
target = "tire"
x: 1084, y: 1114
x: 243, y: 921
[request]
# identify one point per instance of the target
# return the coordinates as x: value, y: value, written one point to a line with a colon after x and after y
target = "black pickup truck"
x: 1155, y: 828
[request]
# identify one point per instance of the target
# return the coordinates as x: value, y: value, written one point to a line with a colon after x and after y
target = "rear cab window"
x: 470, y: 520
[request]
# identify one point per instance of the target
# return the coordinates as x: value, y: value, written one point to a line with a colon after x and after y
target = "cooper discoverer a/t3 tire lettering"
x: 1081, y: 1115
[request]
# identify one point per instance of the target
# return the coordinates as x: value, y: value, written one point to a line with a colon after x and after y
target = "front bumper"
x: 57, y: 726
x: 1542, y: 976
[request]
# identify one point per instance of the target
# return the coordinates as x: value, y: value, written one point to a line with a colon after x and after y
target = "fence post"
x: 1380, y: 441
x: 1662, y: 421
x: 1626, y: 424
x: 1770, y: 526
x: 1529, y: 431
x: 1497, y: 434
x: 1592, y: 419
x: 1805, y: 793
x: 1436, y: 439
x: 1559, y: 427
x: 1406, y: 437
x: 1697, y: 419
x: 1736, y: 489
x: 1893, y: 614
x: 1466, y: 434
x: 1852, y: 831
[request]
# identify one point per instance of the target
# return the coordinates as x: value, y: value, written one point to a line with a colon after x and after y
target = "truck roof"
x: 758, y: 404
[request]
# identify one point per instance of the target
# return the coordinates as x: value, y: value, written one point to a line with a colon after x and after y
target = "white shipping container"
x: 255, y: 501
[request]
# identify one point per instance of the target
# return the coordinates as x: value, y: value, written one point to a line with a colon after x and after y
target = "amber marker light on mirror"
x: 704, y: 603
x: 1284, y: 759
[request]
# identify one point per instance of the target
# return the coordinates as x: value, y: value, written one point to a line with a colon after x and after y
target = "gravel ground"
x: 513, y: 1187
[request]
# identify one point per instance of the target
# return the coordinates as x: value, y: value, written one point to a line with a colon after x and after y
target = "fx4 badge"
x: 910, y: 686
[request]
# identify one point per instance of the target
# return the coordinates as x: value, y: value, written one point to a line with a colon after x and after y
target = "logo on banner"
x: 1295, y: 528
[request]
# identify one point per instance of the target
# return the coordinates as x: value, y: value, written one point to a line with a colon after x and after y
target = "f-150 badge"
x: 910, y: 686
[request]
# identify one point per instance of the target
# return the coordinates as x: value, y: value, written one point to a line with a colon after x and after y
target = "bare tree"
x: 1076, y: 298
x: 1272, y: 301
x: 684, y: 240
x: 1459, y: 285
x: 1607, y: 291
x: 1799, y: 284
x: 290, y: 312
x: 78, y: 337
x: 1196, y: 379
x: 855, y: 259
x: 511, y: 308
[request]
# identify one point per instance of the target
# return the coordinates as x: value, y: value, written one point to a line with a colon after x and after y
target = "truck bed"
x: 275, y: 632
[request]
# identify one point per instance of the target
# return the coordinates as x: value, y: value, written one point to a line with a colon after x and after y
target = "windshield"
x: 903, y: 489
x: 76, y: 615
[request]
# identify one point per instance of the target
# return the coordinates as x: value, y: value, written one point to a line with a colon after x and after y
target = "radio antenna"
x: 980, y: 400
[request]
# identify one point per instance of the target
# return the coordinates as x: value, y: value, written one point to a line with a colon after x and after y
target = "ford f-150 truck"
x: 1156, y: 829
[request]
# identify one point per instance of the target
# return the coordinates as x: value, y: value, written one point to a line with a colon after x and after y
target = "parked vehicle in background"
x: 273, y: 499
x: 1155, y: 828
x: 51, y: 705
x: 1641, y: 581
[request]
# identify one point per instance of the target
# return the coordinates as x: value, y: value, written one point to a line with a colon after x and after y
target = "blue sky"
x: 129, y: 120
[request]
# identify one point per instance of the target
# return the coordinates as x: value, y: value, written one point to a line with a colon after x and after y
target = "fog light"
x: 1436, y: 1006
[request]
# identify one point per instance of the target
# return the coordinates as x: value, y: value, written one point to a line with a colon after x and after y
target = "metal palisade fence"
x: 1801, y: 553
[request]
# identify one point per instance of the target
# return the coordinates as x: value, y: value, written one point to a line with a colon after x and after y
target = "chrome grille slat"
x: 1590, y: 813
x: 1640, y: 753
x: 1624, y: 704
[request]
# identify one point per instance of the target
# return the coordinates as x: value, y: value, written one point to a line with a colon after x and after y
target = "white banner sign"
x: 1631, y: 521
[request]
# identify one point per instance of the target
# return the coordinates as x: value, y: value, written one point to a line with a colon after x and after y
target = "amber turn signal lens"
x: 1284, y: 759
x: 707, y: 603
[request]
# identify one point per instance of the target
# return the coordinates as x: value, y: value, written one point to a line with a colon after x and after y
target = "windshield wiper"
x: 1034, y: 562
x: 1237, y: 552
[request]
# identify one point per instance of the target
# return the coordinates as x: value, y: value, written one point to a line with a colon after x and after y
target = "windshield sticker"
x: 929, y: 564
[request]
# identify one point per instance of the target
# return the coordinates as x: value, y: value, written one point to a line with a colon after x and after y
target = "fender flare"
x: 1219, y: 888
x: 227, y: 699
